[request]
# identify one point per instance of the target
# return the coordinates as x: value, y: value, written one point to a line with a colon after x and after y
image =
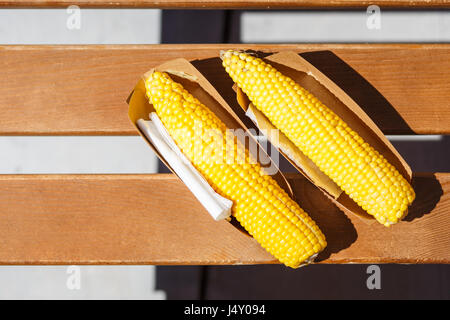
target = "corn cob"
x: 261, y: 206
x: 356, y: 167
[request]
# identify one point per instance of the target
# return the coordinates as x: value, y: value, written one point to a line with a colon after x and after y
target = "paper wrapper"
x: 305, y: 74
x: 183, y: 72
x: 217, y: 206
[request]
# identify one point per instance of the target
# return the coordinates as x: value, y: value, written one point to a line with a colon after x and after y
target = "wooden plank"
x: 228, y: 4
x: 154, y: 219
x: 81, y: 90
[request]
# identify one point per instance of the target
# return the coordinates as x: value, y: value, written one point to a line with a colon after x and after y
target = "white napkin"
x: 217, y: 206
x: 249, y: 113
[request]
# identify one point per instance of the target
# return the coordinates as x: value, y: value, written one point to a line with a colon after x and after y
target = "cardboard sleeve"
x: 183, y: 72
x: 305, y: 74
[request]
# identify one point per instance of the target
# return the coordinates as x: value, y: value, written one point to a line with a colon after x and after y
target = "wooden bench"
x: 229, y: 4
x: 114, y: 219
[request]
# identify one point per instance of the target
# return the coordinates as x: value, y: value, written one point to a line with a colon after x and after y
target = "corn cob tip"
x: 227, y: 53
x: 222, y: 53
x: 241, y: 54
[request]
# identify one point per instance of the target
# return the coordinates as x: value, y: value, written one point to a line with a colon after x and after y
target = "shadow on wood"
x: 210, y: 68
x: 428, y: 193
x: 337, y: 228
x: 360, y: 90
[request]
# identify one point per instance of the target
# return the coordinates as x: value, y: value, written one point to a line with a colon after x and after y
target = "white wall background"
x: 345, y: 26
x: 98, y: 26
x: 113, y: 154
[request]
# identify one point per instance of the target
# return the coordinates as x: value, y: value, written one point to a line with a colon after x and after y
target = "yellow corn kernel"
x: 260, y: 205
x: 356, y: 167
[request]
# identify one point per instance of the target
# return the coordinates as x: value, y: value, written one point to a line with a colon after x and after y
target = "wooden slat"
x: 154, y: 219
x: 228, y: 4
x: 68, y: 90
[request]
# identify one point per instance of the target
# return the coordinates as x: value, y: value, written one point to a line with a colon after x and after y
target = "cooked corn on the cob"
x: 261, y: 206
x: 359, y: 170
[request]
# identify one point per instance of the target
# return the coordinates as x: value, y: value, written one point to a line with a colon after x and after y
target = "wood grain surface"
x: 154, y: 219
x: 228, y: 4
x: 81, y: 90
